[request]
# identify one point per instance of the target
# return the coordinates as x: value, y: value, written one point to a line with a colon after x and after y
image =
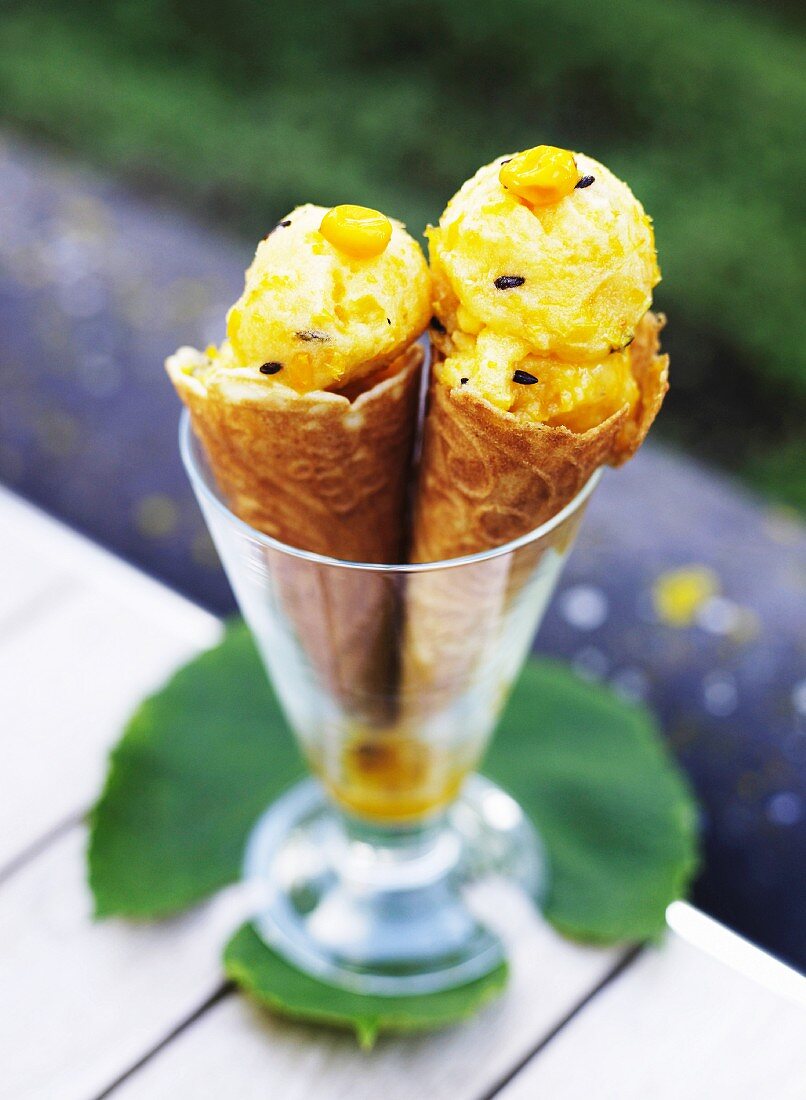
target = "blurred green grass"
x: 245, y: 109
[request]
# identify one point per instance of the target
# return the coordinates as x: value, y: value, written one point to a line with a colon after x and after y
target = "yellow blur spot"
x: 678, y: 594
x: 356, y: 230
x: 540, y: 176
x: 157, y: 516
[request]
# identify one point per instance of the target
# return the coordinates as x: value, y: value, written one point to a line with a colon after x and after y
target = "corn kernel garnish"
x: 356, y: 230
x: 540, y: 176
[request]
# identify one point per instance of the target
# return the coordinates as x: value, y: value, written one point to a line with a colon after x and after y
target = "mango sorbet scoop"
x: 546, y: 361
x: 307, y: 411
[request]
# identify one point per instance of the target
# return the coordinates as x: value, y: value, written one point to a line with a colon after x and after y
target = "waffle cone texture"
x: 317, y: 471
x: 328, y: 474
x: 487, y: 477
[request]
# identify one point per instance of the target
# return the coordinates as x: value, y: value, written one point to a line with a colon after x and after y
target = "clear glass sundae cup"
x: 392, y: 678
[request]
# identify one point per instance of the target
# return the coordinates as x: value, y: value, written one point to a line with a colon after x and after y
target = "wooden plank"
x: 678, y: 1023
x: 51, y: 548
x: 237, y: 1050
x: 28, y: 579
x: 83, y: 1001
x: 70, y: 680
x: 713, y: 938
x: 89, y: 637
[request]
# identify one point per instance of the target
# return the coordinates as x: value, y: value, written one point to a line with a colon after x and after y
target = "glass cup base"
x: 387, y: 911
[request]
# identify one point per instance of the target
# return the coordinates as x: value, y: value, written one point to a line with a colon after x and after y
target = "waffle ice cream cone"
x: 485, y: 481
x: 322, y: 473
x: 316, y: 471
x: 546, y: 367
x: 487, y: 478
x: 307, y: 416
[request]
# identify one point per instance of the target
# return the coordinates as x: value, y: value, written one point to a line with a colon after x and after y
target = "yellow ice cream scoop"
x: 547, y: 247
x: 504, y: 372
x: 331, y: 296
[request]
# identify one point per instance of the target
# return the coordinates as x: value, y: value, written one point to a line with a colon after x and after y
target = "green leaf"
x: 272, y: 982
x: 614, y: 811
x: 204, y: 756
x: 196, y: 765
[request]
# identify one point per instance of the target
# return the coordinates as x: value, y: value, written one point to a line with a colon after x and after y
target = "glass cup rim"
x: 200, y: 484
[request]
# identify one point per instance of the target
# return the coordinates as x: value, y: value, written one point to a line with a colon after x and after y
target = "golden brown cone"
x: 327, y: 474
x: 487, y: 477
x: 316, y: 470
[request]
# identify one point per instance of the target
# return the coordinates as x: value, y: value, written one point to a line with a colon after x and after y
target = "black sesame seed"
x: 437, y: 325
x: 584, y: 181
x: 284, y: 223
x: 312, y: 334
x: 506, y: 160
x: 388, y: 320
x: 509, y: 282
x: 463, y: 381
x: 270, y: 368
x: 524, y: 378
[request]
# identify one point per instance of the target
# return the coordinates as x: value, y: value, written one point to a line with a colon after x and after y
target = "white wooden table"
x: 140, y: 1011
